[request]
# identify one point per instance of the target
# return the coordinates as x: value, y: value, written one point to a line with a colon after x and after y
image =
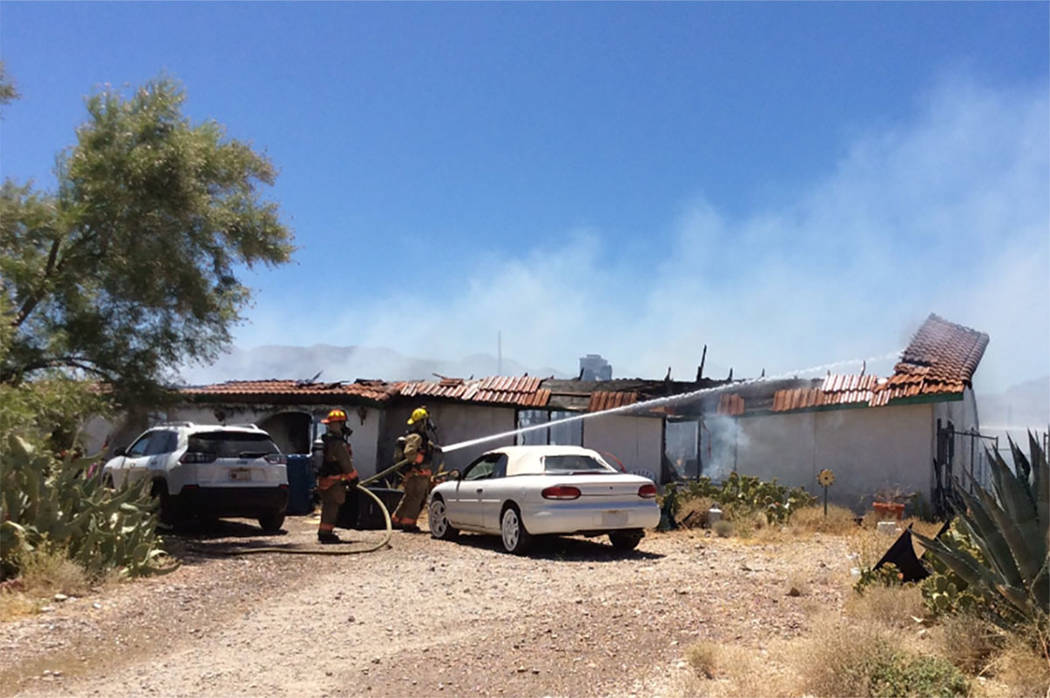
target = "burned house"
x: 912, y: 431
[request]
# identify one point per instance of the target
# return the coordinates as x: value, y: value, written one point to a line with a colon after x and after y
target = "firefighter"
x: 416, y: 447
x: 337, y: 470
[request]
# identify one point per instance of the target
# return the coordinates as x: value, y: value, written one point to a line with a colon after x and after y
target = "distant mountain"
x: 1021, y: 406
x: 348, y: 363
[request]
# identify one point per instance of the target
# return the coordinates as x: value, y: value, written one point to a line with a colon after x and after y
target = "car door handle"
x: 479, y: 490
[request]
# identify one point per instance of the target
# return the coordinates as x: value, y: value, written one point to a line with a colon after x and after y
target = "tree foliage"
x: 8, y: 91
x: 130, y: 268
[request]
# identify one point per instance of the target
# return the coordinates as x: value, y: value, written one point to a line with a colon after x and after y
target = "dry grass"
x: 723, y: 528
x: 797, y: 584
x: 839, y: 521
x: 703, y: 657
x: 48, y: 572
x: 968, y: 642
x: 44, y: 573
x: 15, y: 604
x: 730, y: 671
x: 1021, y: 668
x: 891, y: 607
x: 869, y: 546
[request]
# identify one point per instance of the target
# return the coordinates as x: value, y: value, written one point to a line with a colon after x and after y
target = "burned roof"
x: 281, y: 390
x: 940, y: 360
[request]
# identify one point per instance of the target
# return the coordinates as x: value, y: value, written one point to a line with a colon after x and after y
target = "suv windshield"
x: 233, y: 444
x: 575, y: 464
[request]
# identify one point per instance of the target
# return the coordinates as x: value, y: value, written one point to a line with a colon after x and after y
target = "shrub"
x: 864, y: 661
x: 890, y: 606
x: 740, y: 497
x: 703, y: 657
x: 724, y: 529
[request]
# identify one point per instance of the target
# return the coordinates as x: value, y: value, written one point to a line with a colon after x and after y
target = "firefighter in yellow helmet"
x: 416, y: 447
x: 337, y: 470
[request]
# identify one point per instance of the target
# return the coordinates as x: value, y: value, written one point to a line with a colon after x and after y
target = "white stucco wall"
x: 868, y: 449
x: 635, y: 441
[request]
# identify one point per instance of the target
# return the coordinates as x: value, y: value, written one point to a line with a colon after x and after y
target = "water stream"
x: 669, y: 400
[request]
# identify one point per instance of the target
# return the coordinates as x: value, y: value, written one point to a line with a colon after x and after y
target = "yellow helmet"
x: 335, y: 415
x: 418, y: 415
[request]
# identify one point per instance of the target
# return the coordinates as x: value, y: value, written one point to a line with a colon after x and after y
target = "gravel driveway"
x: 422, y: 616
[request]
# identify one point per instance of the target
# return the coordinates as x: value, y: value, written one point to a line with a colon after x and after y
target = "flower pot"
x: 889, y: 508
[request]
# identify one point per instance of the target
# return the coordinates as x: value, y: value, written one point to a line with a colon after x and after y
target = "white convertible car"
x: 523, y: 491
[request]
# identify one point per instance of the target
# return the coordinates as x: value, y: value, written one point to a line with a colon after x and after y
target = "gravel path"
x: 423, y: 616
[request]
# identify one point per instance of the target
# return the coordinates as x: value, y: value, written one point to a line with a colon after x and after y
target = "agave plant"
x: 1011, y: 531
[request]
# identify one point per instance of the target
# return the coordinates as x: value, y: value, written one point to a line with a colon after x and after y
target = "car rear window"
x: 232, y: 444
x: 575, y: 464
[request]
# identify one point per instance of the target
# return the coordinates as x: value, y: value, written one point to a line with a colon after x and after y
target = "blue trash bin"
x: 301, y: 483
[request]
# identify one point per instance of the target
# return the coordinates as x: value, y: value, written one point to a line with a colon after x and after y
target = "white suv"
x: 207, y: 470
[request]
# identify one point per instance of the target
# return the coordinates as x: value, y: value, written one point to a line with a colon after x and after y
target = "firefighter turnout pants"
x: 416, y: 487
x: 332, y: 497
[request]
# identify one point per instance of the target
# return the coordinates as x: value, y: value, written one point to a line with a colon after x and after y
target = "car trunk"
x: 612, y: 485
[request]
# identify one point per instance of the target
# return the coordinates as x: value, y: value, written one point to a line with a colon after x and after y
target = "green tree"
x: 8, y: 91
x: 130, y: 268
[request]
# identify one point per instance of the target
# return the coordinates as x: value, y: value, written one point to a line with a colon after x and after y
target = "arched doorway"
x: 291, y: 431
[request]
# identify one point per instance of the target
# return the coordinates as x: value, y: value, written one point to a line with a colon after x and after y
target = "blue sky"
x: 789, y: 183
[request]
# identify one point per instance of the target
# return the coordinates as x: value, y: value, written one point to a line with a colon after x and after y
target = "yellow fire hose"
x: 324, y: 551
x: 312, y: 551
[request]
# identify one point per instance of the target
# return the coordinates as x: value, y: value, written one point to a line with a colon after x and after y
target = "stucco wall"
x: 455, y: 423
x: 635, y: 441
x: 868, y: 449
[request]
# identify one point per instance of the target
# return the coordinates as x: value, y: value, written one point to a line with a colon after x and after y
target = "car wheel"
x: 166, y: 514
x: 272, y: 522
x: 626, y: 540
x: 515, y: 538
x: 440, y: 528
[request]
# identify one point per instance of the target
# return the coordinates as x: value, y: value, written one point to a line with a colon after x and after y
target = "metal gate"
x: 960, y: 461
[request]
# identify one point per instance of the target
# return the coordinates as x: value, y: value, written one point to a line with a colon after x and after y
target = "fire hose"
x: 325, y: 551
x: 388, y: 534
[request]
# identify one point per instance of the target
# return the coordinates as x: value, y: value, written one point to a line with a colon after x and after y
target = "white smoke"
x: 946, y: 213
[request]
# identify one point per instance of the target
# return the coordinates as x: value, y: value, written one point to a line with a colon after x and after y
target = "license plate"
x: 614, y: 518
x: 240, y: 474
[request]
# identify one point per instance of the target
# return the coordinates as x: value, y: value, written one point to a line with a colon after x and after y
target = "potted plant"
x: 890, y: 502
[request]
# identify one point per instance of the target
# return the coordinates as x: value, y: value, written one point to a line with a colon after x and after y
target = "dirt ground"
x: 575, y: 618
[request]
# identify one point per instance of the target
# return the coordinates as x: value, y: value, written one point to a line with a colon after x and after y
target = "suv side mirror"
x: 121, y: 451
x: 453, y: 475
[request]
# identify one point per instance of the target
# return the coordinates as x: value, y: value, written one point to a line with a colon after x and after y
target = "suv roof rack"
x: 173, y: 424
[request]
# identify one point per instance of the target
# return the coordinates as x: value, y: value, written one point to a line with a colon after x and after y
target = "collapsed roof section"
x: 939, y: 362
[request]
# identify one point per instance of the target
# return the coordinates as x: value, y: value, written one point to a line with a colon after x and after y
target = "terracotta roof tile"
x: 289, y: 388
x: 730, y: 404
x: 609, y: 399
x: 941, y: 358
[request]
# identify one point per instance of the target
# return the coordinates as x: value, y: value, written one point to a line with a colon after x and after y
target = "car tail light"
x: 277, y: 459
x: 197, y: 457
x: 561, y: 492
x: 647, y: 491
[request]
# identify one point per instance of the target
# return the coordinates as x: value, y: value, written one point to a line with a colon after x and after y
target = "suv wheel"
x: 272, y: 522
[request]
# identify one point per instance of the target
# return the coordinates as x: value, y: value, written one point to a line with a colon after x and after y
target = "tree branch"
x: 31, y: 302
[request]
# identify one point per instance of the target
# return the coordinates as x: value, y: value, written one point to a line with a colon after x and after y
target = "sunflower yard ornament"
x: 826, y: 478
